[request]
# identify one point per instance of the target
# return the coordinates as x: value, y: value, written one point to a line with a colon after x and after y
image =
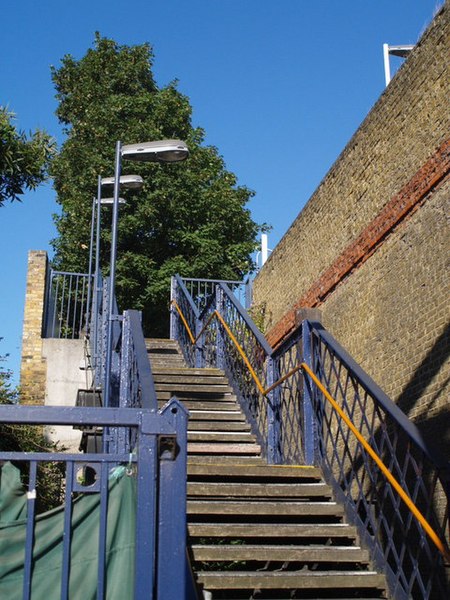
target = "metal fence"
x: 157, y: 490
x: 66, y: 305
x: 149, y: 445
x: 309, y: 402
x: 201, y: 290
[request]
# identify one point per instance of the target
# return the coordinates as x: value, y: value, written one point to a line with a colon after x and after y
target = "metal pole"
x: 96, y: 280
x: 387, y: 67
x: 112, y: 276
x: 88, y: 304
x: 264, y: 248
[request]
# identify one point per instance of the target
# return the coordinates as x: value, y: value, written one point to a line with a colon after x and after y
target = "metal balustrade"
x: 157, y: 491
x: 65, y: 305
x: 150, y: 445
x: 201, y: 290
x: 309, y: 402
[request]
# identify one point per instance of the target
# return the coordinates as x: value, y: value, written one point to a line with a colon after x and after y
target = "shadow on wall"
x: 435, y: 429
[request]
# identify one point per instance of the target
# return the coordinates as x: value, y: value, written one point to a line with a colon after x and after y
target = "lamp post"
x: 163, y: 151
x: 132, y: 182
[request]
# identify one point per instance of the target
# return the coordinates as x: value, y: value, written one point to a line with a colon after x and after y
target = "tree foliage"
x: 189, y: 218
x: 23, y: 161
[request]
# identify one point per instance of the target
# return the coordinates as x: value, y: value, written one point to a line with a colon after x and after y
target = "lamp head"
x: 109, y: 201
x: 161, y: 151
x: 128, y: 182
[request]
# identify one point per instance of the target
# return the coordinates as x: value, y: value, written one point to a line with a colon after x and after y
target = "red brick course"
x: 429, y: 177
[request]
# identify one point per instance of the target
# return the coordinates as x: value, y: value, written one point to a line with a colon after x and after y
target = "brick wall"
x: 370, y: 249
x: 33, y: 367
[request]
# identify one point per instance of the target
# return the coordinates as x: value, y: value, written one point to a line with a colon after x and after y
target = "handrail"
x: 392, y: 480
x: 147, y: 385
x: 305, y: 368
x: 370, y: 386
x: 180, y: 282
x: 256, y: 332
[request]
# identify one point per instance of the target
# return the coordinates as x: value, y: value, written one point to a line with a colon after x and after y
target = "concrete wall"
x: 371, y: 247
x: 65, y: 375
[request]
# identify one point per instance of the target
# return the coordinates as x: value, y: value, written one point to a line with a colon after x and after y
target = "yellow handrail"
x: 304, y: 367
x: 395, y: 484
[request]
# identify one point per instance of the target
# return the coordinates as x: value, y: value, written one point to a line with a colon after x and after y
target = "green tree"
x: 189, y: 218
x: 23, y: 161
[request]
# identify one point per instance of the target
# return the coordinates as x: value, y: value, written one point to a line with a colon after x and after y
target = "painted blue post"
x: 248, y: 292
x: 171, y: 553
x: 220, y: 341
x: 309, y: 422
x: 199, y: 345
x: 273, y: 416
x: 144, y: 579
x: 173, y: 312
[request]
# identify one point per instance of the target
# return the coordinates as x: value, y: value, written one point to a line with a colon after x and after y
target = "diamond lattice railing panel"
x: 415, y: 562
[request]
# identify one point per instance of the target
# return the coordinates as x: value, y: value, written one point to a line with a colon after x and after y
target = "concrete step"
x: 257, y: 530
x: 161, y: 344
x: 282, y: 553
x: 223, y: 449
x: 193, y: 380
x: 247, y: 471
x: 235, y: 580
x: 226, y: 426
x: 225, y: 460
x: 216, y: 415
x: 269, y: 508
x: 160, y: 373
x: 193, y: 387
x: 243, y: 531
x: 201, y: 404
x: 221, y: 436
x: 259, y: 490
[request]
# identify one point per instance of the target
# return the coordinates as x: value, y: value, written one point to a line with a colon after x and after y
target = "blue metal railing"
x: 157, y: 471
x: 66, y: 304
x: 296, y: 424
x: 201, y: 290
x: 151, y: 444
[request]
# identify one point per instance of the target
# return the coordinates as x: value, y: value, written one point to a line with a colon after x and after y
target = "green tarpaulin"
x: 47, y: 552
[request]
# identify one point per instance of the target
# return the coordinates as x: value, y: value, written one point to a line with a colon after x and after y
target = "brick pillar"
x: 33, y: 368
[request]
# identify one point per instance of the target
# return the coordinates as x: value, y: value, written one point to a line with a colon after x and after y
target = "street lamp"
x: 162, y: 151
x: 131, y: 182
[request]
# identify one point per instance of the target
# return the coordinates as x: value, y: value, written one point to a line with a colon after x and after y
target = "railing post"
x: 171, y: 553
x: 273, y: 416
x: 248, y: 292
x: 173, y: 315
x: 309, y: 422
x: 199, y: 344
x: 220, y: 340
x: 144, y: 579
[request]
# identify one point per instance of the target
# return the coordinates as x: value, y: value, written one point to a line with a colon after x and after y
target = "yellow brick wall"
x: 33, y: 367
x: 391, y: 309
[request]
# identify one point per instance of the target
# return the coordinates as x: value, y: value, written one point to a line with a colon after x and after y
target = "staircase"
x: 255, y: 530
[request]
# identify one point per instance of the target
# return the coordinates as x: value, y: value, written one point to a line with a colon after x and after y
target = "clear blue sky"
x: 279, y: 86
